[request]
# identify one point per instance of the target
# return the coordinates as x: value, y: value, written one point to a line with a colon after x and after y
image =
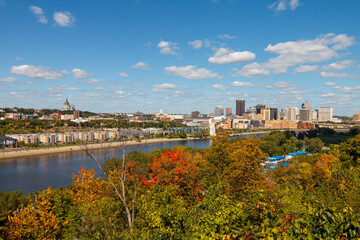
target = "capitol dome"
x: 67, y: 106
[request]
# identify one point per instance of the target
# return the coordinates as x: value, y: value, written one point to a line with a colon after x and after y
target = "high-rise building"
x: 325, y: 114
x: 306, y: 113
x: 219, y: 111
x: 77, y: 114
x: 228, y: 111
x: 240, y: 107
x: 251, y: 111
x: 273, y: 113
x: 291, y: 113
x: 265, y: 112
x: 259, y: 107
x: 195, y: 114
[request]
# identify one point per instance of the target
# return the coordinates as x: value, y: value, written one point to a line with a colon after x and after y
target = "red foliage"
x: 173, y: 168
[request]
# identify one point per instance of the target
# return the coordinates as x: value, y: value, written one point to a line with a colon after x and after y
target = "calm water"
x: 39, y: 172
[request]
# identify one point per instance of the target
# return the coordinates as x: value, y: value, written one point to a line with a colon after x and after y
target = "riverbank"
x: 75, y: 148
x: 64, y: 149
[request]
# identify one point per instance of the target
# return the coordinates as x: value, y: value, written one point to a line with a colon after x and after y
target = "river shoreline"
x: 75, y: 148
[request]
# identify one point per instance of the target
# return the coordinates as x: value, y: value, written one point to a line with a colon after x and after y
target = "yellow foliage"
x: 36, y: 221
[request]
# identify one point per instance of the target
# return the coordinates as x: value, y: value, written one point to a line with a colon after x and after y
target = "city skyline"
x: 123, y: 56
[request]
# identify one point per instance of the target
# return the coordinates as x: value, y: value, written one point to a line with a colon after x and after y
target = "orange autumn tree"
x: 176, y: 169
x: 86, y: 188
x: 36, y: 221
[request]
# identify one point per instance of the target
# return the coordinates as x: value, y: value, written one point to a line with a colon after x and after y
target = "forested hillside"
x: 221, y: 192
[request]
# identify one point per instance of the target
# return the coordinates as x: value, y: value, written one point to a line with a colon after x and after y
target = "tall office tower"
x: 219, y: 111
x: 77, y: 114
x: 315, y: 115
x: 306, y: 113
x: 291, y: 113
x: 259, y: 107
x: 282, y: 115
x: 265, y: 112
x: 325, y: 114
x: 240, y: 107
x: 273, y: 113
x: 195, y: 114
x: 251, y: 110
x: 228, y: 111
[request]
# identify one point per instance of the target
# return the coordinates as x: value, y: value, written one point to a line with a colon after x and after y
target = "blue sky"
x: 179, y: 56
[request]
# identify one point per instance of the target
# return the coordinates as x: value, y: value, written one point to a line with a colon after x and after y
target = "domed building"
x: 67, y: 106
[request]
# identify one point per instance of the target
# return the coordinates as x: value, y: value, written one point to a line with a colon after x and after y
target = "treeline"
x: 221, y: 192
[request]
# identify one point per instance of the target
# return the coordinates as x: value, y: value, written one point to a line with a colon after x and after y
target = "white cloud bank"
x: 293, y: 53
x: 39, y: 13
x: 196, y: 44
x: 226, y: 56
x: 191, y: 72
x: 141, y: 66
x: 64, y: 19
x: 163, y: 87
x: 168, y: 48
x: 340, y: 65
x: 282, y: 5
x: 8, y: 79
x: 37, y: 72
x: 80, y: 74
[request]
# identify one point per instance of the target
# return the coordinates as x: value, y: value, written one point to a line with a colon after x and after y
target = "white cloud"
x: 306, y: 68
x: 36, y: 10
x: 282, y: 5
x: 13, y: 93
x: 242, y: 84
x: 294, y: 4
x: 36, y: 72
x: 64, y: 19
x: 355, y: 89
x: 305, y: 51
x: 330, y: 84
x: 71, y: 88
x: 190, y: 72
x: 123, y: 74
x: 283, y: 84
x: 94, y: 81
x: 168, y: 48
x: 138, y: 84
x: 328, y: 95
x: 196, y: 44
x: 340, y: 65
x: 226, y: 56
x: 219, y: 87
x: 163, y: 87
x: 80, y: 74
x: 250, y: 71
x: 120, y: 92
x: 30, y: 82
x: 39, y: 13
x: 19, y: 59
x: 335, y: 75
x: 8, y: 79
x: 59, y: 88
x: 98, y: 88
x: 341, y: 41
x: 226, y: 36
x: 142, y: 66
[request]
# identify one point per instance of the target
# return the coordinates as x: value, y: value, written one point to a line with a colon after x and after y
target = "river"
x: 34, y: 173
